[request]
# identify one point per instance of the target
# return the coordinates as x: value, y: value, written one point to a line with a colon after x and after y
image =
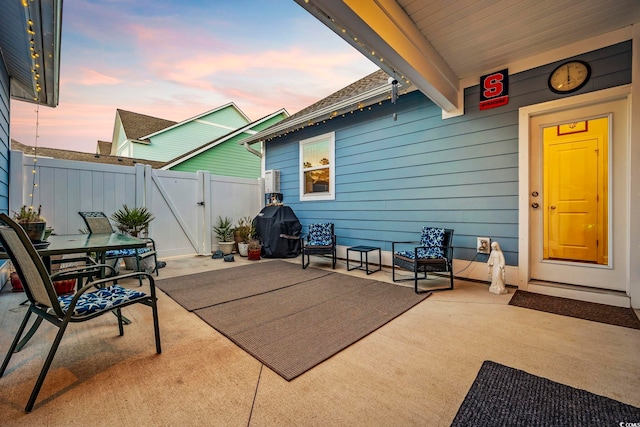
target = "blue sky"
x: 177, y: 59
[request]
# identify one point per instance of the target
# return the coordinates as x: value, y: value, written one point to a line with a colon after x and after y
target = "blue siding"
x: 5, y: 105
x: 394, y: 177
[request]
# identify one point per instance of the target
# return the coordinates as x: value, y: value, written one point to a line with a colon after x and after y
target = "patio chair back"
x: 31, y: 270
x: 97, y: 222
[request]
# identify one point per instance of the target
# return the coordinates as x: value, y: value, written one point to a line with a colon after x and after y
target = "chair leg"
x: 14, y: 344
x: 333, y: 258
x: 305, y: 265
x: 47, y: 365
x: 156, y: 325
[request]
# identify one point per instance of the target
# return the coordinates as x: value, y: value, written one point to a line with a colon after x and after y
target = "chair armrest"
x: 86, y: 271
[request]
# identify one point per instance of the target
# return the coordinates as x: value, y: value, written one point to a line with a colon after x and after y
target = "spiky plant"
x: 132, y: 220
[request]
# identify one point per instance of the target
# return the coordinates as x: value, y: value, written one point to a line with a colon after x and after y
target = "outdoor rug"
x: 215, y: 287
x: 595, y: 312
x: 504, y: 396
x: 296, y: 320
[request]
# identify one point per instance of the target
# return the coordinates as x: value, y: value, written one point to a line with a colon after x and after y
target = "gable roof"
x: 56, y: 153
x: 368, y: 90
x: 176, y: 124
x: 137, y: 126
x: 247, y: 128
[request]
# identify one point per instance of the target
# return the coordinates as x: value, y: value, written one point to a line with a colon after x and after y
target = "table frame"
x: 364, y: 250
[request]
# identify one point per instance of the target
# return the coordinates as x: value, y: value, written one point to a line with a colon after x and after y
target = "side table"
x: 364, y: 250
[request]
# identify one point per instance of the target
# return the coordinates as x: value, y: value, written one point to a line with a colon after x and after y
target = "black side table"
x: 364, y: 250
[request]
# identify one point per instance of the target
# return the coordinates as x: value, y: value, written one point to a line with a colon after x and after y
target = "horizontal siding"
x: 229, y: 158
x: 394, y: 177
x: 179, y: 140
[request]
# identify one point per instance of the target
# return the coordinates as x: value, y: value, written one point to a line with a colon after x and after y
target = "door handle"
x: 200, y: 203
x: 552, y: 207
x: 535, y: 205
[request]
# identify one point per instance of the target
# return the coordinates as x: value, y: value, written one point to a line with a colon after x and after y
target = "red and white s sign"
x: 494, y: 89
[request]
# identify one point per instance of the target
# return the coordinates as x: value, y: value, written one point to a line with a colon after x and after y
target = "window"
x: 317, y: 168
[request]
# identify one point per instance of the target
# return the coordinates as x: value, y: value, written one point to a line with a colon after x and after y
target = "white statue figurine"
x: 496, y: 270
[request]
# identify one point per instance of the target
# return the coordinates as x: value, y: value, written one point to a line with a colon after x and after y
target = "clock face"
x: 569, y: 77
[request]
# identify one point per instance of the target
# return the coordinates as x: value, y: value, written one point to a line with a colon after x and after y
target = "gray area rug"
x: 288, y: 318
x: 209, y: 288
x: 504, y: 396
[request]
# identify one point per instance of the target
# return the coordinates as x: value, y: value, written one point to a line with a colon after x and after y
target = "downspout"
x: 252, y: 150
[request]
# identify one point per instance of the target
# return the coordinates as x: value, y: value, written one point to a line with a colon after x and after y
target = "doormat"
x: 609, y: 314
x: 504, y: 396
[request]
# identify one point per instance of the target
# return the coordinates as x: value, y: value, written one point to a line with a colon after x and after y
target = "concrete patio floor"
x: 416, y: 370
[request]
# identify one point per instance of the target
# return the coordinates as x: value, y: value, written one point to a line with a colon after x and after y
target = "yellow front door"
x: 575, y: 191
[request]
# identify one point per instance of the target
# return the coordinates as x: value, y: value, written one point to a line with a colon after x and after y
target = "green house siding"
x: 227, y: 159
x: 184, y: 137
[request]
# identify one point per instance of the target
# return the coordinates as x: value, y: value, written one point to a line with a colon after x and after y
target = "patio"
x: 416, y: 370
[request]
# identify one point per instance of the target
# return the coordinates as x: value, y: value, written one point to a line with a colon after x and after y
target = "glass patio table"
x: 77, y: 244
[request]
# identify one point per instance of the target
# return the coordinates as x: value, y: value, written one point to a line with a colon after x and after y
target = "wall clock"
x: 569, y: 77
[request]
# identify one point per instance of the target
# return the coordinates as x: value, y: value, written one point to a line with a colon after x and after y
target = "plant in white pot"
x: 244, y: 231
x: 132, y: 221
x: 223, y: 229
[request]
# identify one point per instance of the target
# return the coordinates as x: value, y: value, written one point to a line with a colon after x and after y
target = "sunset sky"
x: 177, y: 59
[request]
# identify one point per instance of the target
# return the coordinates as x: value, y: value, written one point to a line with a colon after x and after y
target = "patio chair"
x: 321, y: 240
x: 433, y: 253
x: 98, y: 223
x: 92, y: 300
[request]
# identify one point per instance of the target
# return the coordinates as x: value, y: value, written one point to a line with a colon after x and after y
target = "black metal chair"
x: 321, y: 240
x: 92, y: 300
x: 433, y: 253
x: 98, y: 223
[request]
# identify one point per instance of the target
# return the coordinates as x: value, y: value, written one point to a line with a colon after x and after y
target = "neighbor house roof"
x: 247, y: 128
x: 56, y: 153
x: 137, y: 126
x: 370, y: 89
x: 104, y: 147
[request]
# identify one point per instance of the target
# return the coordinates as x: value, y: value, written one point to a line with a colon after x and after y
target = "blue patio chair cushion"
x: 432, y: 239
x: 126, y: 252
x: 320, y: 235
x: 100, y: 300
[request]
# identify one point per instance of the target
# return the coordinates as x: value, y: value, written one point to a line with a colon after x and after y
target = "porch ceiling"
x: 30, y: 35
x: 437, y: 44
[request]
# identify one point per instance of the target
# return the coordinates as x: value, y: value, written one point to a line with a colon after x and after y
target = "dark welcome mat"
x: 504, y: 396
x: 595, y: 312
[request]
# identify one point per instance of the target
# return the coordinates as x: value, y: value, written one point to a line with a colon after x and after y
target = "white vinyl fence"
x: 185, y: 205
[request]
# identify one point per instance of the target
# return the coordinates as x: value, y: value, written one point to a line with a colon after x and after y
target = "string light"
x: 355, y: 108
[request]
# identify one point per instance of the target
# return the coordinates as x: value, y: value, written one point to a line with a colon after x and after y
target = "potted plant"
x: 32, y: 222
x: 254, y: 248
x: 132, y: 221
x: 223, y: 229
x: 244, y: 231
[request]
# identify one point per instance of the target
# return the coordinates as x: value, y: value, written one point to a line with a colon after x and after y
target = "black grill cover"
x: 279, y: 230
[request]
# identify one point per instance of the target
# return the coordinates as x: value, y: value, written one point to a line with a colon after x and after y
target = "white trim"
x: 222, y: 107
x: 524, y: 116
x: 245, y: 129
x: 331, y: 194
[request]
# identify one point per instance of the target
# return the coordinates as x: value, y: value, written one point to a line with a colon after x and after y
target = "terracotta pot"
x: 254, y: 254
x: 16, y: 284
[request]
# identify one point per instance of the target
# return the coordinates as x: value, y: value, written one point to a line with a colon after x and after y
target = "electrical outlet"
x: 483, y: 245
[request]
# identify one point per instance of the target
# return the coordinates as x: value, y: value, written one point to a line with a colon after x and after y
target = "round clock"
x: 569, y: 77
